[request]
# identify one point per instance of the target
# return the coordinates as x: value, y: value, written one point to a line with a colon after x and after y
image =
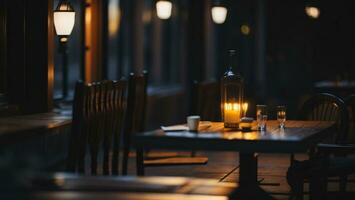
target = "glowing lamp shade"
x: 312, y: 12
x: 64, y: 20
x: 219, y: 14
x: 164, y: 9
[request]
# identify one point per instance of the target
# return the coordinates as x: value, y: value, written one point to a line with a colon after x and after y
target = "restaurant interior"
x: 177, y: 99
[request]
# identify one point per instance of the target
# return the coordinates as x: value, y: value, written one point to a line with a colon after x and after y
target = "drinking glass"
x: 261, y: 116
x: 281, y: 116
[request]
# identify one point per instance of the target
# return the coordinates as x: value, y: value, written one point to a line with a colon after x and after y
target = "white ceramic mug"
x: 193, y: 122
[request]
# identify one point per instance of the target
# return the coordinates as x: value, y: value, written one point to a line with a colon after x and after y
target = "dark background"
x: 282, y: 59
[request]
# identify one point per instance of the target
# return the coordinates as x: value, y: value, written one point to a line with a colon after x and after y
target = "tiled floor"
x: 223, y: 166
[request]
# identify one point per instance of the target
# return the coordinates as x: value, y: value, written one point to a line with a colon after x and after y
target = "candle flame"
x: 245, y: 107
x: 236, y: 106
x: 232, y: 106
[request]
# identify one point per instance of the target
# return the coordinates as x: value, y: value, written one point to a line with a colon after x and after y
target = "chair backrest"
x: 327, y: 107
x: 119, y: 105
x: 206, y: 100
x: 135, y: 113
x: 96, y: 109
x: 78, y: 120
x: 350, y: 103
x: 136, y: 103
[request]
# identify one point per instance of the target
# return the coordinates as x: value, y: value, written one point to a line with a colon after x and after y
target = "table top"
x: 22, y: 126
x: 80, y: 195
x: 298, y: 136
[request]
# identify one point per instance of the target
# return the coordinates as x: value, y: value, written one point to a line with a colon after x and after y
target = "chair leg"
x: 295, y: 179
x: 140, y: 162
x: 115, y: 162
x: 81, y: 158
x: 342, y: 184
x: 94, y: 162
x: 296, y: 190
x: 125, y: 160
x: 106, y: 157
x: 106, y: 168
x: 318, y: 187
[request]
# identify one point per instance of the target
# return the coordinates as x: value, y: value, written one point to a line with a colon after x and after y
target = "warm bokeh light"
x: 219, y: 14
x: 59, y: 180
x: 114, y: 15
x: 147, y: 17
x: 63, y: 39
x: 245, y: 29
x: 164, y: 9
x: 312, y: 12
x: 88, y: 43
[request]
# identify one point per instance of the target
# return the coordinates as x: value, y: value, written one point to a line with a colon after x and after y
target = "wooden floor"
x: 223, y: 166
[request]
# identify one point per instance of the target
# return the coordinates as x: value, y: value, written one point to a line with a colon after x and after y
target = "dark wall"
x: 289, y: 53
x: 29, y: 51
x: 2, y: 48
x: 334, y: 41
x: 302, y: 50
x: 317, y: 48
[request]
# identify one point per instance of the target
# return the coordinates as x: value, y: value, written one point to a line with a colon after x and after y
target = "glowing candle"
x: 231, y: 113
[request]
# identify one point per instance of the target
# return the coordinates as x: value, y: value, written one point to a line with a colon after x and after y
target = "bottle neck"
x: 232, y: 62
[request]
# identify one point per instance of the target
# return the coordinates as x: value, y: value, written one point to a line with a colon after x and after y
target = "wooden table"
x: 94, y: 195
x: 297, y: 137
x: 69, y: 186
x: 16, y: 128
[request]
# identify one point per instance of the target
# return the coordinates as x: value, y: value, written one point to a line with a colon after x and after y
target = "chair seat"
x: 341, y: 166
x: 176, y: 161
x: 336, y: 166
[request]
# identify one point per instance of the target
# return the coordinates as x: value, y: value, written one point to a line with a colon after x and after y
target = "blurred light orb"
x: 245, y: 29
x: 114, y: 15
x: 219, y: 14
x: 164, y: 9
x: 312, y: 12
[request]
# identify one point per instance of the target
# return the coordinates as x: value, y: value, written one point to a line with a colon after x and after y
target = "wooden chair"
x: 134, y: 123
x: 97, y: 114
x: 205, y: 100
x: 323, y: 107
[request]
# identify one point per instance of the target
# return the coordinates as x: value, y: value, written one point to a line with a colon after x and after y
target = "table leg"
x: 248, y: 169
x: 140, y: 161
x: 248, y: 183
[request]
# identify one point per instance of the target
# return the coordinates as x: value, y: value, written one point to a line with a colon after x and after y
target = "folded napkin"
x: 175, y: 128
x: 202, y: 125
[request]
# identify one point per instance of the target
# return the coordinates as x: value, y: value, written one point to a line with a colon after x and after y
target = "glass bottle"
x: 232, y: 92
